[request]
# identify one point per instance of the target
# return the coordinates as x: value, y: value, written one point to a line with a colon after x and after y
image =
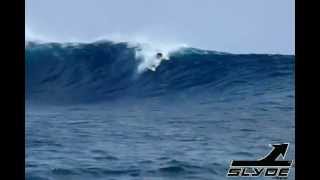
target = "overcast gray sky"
x: 238, y: 26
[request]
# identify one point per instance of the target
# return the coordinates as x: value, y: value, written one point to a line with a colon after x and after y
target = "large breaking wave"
x: 105, y: 71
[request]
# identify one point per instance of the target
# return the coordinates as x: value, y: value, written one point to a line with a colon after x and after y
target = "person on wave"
x: 159, y: 55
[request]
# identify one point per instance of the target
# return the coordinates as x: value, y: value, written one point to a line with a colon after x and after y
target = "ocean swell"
x: 102, y: 71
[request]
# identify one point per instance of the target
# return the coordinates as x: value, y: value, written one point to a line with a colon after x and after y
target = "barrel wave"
x: 93, y: 111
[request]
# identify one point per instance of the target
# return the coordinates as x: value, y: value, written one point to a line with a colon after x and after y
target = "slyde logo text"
x: 269, y: 166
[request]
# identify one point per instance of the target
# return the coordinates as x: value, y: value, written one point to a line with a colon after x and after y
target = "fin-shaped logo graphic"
x: 270, y: 159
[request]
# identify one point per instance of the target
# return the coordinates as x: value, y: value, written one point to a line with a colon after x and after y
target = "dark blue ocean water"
x: 90, y: 115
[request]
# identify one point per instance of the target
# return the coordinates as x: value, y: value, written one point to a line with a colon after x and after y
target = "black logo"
x: 268, y: 166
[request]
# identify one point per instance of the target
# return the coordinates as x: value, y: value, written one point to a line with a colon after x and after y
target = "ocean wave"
x: 104, y: 70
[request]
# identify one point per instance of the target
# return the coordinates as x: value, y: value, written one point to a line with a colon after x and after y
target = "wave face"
x: 106, y: 71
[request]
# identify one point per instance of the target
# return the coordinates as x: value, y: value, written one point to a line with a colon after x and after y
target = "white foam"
x: 147, y: 49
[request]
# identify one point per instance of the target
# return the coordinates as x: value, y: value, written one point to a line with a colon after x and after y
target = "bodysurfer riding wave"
x: 159, y: 57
